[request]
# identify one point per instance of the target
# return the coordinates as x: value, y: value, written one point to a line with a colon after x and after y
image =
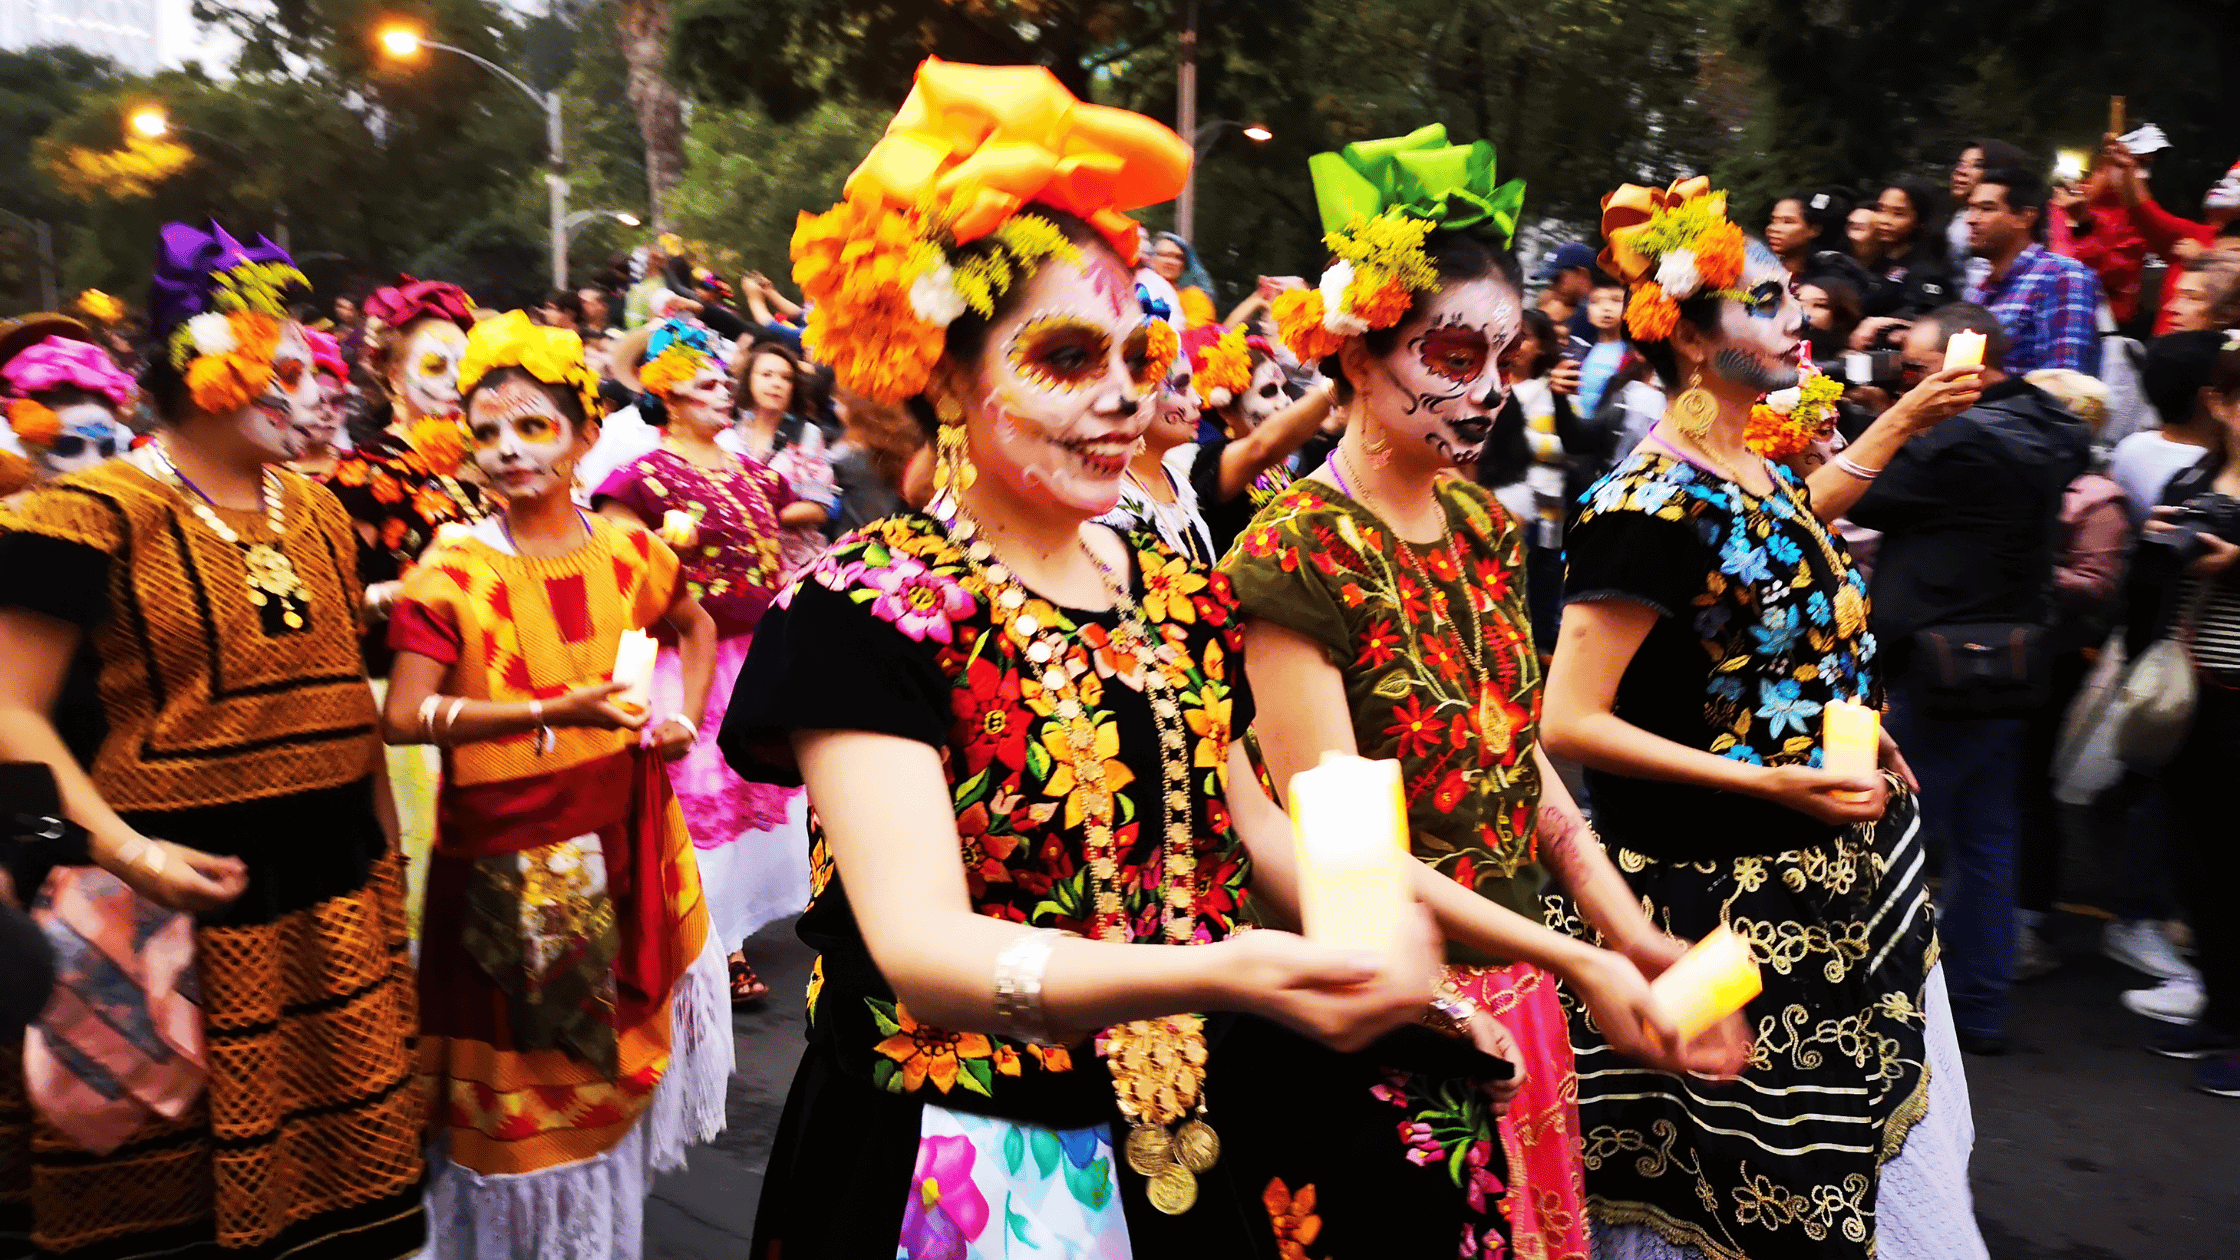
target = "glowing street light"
x: 404, y: 43
x: 1258, y: 134
x: 151, y: 122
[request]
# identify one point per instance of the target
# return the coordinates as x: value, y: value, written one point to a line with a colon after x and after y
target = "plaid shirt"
x: 2049, y: 306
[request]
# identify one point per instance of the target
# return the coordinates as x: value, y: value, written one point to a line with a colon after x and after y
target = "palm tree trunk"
x: 644, y: 28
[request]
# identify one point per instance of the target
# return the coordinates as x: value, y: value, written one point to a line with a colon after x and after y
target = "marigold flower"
x: 1651, y: 316
x: 1378, y: 300
x: 1299, y: 314
x: 1160, y: 348
x: 1719, y: 255
x: 34, y: 422
x: 1226, y: 364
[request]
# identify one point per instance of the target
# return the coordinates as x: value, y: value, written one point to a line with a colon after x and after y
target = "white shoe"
x: 2140, y: 945
x: 2179, y: 1001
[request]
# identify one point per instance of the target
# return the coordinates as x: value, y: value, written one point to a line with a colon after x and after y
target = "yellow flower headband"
x: 1670, y: 245
x: 553, y: 356
x: 1789, y: 421
x: 884, y: 269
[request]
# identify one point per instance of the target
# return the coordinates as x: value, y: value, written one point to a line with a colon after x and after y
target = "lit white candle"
x: 1351, y: 822
x: 1850, y: 738
x: 1964, y: 349
x: 1713, y: 980
x: 678, y: 527
x: 633, y: 665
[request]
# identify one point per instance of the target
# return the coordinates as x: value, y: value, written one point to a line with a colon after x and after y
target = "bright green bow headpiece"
x: 1421, y: 176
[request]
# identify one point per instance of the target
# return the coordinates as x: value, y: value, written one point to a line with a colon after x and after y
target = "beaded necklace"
x: 271, y: 577
x: 1157, y: 1065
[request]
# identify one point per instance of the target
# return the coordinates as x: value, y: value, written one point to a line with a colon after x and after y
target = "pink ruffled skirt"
x: 751, y: 839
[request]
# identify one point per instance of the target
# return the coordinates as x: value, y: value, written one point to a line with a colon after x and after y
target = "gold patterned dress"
x: 1762, y: 621
x: 236, y: 721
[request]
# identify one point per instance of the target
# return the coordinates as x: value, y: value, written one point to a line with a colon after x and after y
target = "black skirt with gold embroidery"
x: 1782, y: 1164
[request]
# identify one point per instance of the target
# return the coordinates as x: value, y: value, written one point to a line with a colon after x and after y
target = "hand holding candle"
x: 633, y: 667
x: 1713, y: 980
x: 1350, y: 820
x: 679, y: 528
x: 1964, y: 349
x: 1850, y: 740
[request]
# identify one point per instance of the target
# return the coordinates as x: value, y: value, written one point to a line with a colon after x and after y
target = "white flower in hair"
x: 211, y: 334
x: 1677, y: 275
x: 1335, y: 316
x: 1784, y: 401
x: 935, y: 298
x: 1219, y: 397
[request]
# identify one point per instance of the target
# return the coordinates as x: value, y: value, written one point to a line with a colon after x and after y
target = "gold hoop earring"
x: 1695, y: 409
x: 1377, y: 448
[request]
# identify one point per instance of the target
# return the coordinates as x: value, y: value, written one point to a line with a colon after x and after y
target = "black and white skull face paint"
x: 1757, y: 337
x: 1264, y: 397
x: 1443, y: 382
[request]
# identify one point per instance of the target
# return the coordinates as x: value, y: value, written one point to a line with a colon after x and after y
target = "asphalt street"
x: 2087, y: 1147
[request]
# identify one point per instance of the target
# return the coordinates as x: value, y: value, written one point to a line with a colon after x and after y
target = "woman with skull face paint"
x: 319, y: 454
x: 724, y: 514
x: 1257, y: 429
x: 1047, y: 709
x: 189, y: 613
x: 1712, y: 617
x: 1387, y: 619
x: 63, y: 396
x: 402, y: 488
x: 573, y: 1028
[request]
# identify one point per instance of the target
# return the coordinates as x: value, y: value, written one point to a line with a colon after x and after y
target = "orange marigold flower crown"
x: 1224, y: 367
x: 1669, y: 245
x: 886, y: 270
x: 1790, y: 420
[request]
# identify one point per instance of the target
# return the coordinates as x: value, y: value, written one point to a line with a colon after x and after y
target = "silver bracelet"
x: 1855, y: 468
x: 688, y: 724
x: 1019, y: 971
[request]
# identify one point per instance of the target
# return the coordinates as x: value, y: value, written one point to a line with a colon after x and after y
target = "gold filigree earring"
x: 1695, y: 408
x: 1374, y: 443
x: 952, y: 467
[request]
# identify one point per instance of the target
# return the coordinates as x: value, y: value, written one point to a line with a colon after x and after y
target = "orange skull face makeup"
x: 521, y: 439
x: 1062, y: 386
x: 284, y: 420
x: 1444, y: 379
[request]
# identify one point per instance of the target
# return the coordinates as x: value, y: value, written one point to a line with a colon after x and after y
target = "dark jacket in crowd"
x: 1969, y: 513
x: 1911, y: 287
x: 2154, y: 579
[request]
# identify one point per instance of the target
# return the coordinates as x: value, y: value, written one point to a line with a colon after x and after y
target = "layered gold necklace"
x: 1158, y: 1066
x: 272, y: 579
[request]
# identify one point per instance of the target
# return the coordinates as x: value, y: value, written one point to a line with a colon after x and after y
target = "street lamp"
x: 575, y: 221
x: 152, y: 122
x: 404, y: 43
x: 1186, y: 207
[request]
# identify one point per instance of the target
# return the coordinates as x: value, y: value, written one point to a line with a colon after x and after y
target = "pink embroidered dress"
x: 751, y: 838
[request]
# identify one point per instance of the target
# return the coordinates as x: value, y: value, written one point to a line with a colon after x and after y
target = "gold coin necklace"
x: 274, y: 586
x: 1158, y: 1066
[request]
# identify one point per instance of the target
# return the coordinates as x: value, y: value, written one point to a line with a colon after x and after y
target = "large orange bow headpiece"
x: 971, y: 147
x: 1669, y: 245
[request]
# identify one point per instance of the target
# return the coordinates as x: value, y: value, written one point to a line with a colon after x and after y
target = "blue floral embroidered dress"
x: 1762, y: 621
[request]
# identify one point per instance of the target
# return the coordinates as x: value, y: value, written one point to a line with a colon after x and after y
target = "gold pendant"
x: 1197, y: 1147
x: 1693, y: 411
x: 1493, y: 721
x: 1173, y: 1191
x: 1149, y: 1150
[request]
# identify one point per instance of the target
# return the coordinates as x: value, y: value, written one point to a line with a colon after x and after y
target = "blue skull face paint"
x: 1757, y: 343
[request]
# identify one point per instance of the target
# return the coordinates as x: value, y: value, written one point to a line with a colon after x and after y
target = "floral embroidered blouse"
x: 398, y: 502
x: 891, y: 632
x: 1762, y: 620
x: 1436, y: 649
x: 733, y: 569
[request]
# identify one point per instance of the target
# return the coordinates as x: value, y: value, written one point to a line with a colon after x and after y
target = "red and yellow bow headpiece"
x: 1669, y: 245
x: 971, y: 146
